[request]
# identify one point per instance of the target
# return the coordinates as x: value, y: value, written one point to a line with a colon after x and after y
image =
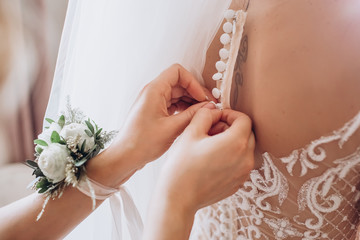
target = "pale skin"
x: 205, y: 149
x: 301, y: 74
x: 300, y: 79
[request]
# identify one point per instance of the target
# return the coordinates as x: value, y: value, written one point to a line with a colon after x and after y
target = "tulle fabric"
x: 109, y: 50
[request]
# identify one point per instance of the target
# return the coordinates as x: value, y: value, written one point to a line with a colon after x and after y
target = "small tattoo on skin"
x: 238, y: 77
x: 239, y: 82
x: 247, y: 4
x: 243, y: 51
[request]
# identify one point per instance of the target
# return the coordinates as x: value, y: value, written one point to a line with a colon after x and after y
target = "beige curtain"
x: 36, y: 30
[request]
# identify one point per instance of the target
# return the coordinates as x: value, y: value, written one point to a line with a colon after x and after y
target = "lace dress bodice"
x: 311, y: 194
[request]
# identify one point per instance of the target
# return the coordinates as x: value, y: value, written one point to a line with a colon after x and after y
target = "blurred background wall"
x: 30, y: 32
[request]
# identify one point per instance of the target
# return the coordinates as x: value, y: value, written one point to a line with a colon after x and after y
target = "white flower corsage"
x: 62, y: 151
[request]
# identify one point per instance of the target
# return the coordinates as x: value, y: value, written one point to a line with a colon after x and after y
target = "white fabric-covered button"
x: 228, y: 27
x: 225, y: 39
x: 217, y: 76
x: 220, y: 66
x: 224, y: 54
x: 229, y: 14
x: 216, y: 93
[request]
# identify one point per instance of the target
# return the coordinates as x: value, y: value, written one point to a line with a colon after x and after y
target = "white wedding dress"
x: 111, y: 48
x: 309, y: 194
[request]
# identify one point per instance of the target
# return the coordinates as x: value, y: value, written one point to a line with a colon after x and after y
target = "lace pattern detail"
x: 319, y: 203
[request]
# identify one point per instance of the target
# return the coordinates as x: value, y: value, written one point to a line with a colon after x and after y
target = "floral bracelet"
x: 62, y: 151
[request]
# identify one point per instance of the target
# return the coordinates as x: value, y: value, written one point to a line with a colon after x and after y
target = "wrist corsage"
x: 62, y: 151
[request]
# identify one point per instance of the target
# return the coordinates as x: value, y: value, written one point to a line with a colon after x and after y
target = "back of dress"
x: 310, y: 194
x: 299, y: 68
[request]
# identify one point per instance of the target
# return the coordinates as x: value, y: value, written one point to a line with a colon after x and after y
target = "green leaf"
x: 81, y: 162
x: 49, y: 120
x: 41, y: 142
x: 42, y: 190
x: 88, y: 133
x: 42, y: 183
x: 55, y: 137
x: 38, y: 173
x: 82, y: 149
x: 98, y: 132
x: 90, y: 126
x: 61, y: 121
x: 31, y: 164
x: 101, y: 145
x: 38, y: 149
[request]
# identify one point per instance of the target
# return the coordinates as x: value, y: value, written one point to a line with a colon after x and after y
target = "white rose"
x: 76, y: 129
x: 53, y: 160
x: 46, y: 134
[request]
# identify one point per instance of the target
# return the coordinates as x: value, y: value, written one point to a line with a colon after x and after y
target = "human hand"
x: 210, y: 161
x: 151, y: 126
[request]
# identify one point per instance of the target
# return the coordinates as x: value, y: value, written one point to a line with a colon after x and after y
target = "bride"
x: 296, y: 75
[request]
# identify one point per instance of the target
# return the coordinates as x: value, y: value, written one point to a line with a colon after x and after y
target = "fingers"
x: 240, y: 124
x: 182, y: 119
x: 218, y: 128
x: 179, y: 106
x: 203, y: 121
x: 176, y: 75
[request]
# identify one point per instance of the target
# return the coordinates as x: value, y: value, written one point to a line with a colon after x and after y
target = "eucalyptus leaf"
x: 61, y: 121
x: 88, y: 133
x: 40, y: 142
x: 42, y: 183
x: 82, y: 149
x: 49, y: 120
x: 38, y: 173
x: 90, y: 126
x: 42, y: 190
x: 98, y: 132
x: 81, y: 162
x: 31, y: 164
x: 39, y: 150
x: 55, y: 137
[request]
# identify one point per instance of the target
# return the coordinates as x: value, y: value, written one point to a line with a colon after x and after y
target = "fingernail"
x: 207, y: 98
x: 210, y: 105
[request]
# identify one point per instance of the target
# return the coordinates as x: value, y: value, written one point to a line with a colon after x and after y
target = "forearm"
x: 168, y: 219
x: 65, y: 213
x: 18, y: 220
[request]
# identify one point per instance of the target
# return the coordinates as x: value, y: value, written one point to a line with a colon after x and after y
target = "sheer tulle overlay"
x: 109, y: 50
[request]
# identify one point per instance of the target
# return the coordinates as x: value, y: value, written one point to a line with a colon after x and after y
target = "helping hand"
x: 210, y: 161
x: 151, y: 128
